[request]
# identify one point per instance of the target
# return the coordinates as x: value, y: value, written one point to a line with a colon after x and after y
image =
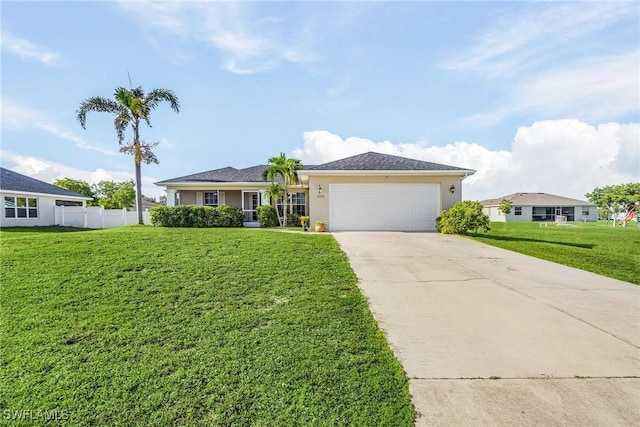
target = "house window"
x: 585, y: 211
x: 211, y: 199
x: 517, y: 210
x: 296, y: 205
x: 20, y: 207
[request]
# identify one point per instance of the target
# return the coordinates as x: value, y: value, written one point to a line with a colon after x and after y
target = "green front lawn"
x: 155, y: 326
x: 595, y: 247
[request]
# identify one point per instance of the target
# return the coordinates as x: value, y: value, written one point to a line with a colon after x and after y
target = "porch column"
x: 171, y: 197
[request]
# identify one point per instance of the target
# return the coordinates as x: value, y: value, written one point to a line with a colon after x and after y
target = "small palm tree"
x: 287, y: 171
x: 131, y: 106
x: 274, y: 192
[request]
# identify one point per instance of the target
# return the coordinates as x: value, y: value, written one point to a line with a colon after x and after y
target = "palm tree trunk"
x: 139, y: 193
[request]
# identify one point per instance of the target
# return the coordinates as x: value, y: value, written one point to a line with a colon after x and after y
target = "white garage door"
x: 401, y: 207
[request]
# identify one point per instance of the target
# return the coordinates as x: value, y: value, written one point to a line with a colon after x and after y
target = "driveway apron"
x: 492, y: 337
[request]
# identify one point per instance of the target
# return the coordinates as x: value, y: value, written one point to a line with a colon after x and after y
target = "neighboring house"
x: 540, y: 207
x: 369, y: 191
x: 28, y: 201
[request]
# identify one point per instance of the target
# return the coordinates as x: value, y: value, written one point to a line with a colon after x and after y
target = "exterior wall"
x: 231, y: 197
x: 528, y: 213
x: 46, y: 207
x: 494, y: 214
x: 318, y: 201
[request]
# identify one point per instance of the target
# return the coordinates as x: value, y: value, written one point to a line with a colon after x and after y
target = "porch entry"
x: 251, y: 199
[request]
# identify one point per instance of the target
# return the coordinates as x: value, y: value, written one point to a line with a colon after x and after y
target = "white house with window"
x: 31, y: 202
x: 540, y: 207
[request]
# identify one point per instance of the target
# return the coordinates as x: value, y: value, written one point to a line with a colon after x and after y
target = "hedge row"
x: 197, y: 216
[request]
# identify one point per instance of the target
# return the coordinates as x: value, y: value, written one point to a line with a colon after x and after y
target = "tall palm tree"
x: 130, y: 107
x: 287, y: 171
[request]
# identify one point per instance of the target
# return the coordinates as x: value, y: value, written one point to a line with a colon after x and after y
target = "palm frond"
x: 96, y: 104
x: 155, y: 96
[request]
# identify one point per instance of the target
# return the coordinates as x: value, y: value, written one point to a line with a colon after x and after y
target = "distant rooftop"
x: 536, y: 199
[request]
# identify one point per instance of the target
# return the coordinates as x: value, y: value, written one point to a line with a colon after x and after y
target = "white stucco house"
x: 31, y: 202
x: 540, y: 207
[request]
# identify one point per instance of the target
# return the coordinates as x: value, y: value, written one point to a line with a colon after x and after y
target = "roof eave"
x: 59, y: 196
x: 459, y: 172
x: 210, y: 184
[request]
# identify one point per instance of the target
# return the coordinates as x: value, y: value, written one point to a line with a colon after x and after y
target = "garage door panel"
x: 402, y: 207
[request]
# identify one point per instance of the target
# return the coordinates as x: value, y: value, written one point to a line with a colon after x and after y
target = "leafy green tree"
x: 286, y: 172
x: 617, y: 199
x: 79, y: 186
x: 131, y: 107
x: 115, y: 195
x: 463, y: 217
x: 505, y: 206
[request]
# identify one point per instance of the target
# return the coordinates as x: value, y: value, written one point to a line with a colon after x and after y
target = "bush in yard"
x: 228, y: 216
x: 197, y: 216
x: 293, y: 220
x: 267, y: 216
x: 462, y: 217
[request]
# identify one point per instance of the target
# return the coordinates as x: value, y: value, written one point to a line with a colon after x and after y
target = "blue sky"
x: 534, y: 96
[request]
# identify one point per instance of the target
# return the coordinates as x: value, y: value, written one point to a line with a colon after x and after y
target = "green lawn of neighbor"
x: 167, y: 327
x: 595, y: 247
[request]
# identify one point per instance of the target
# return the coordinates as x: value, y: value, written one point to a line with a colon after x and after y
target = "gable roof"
x: 14, y: 181
x: 228, y: 174
x: 372, y: 161
x: 536, y: 199
x: 362, y: 163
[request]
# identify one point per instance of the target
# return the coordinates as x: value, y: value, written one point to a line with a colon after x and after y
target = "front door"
x: 250, y: 201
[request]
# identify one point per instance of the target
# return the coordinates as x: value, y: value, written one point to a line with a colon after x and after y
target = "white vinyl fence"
x: 97, y: 217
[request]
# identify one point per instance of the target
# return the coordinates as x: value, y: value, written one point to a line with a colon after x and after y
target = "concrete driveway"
x: 492, y: 337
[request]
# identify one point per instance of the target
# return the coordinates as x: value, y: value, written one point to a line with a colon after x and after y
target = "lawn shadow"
x: 526, y: 239
x: 43, y: 229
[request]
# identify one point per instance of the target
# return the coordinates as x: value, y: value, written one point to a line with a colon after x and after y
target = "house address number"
x: 320, y: 196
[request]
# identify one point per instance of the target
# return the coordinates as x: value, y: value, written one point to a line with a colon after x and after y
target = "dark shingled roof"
x: 375, y: 161
x: 14, y: 181
x: 362, y: 162
x: 536, y: 199
x: 228, y: 174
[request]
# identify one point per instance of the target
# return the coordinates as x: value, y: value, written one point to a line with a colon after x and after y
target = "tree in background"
x: 286, y: 171
x: 505, y: 206
x: 131, y: 106
x: 617, y: 199
x: 115, y: 195
x: 79, y: 186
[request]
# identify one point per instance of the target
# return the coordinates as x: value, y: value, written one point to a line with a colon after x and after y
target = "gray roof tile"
x: 376, y: 161
x: 362, y: 162
x: 14, y: 181
x: 228, y: 174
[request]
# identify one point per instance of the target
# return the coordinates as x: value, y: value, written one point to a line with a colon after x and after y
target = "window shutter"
x: 220, y: 198
x: 199, y: 198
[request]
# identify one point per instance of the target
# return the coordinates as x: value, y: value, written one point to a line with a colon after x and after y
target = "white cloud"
x: 563, y: 157
x: 18, y: 117
x: 537, y: 33
x: 606, y: 87
x: 250, y: 44
x: 556, y: 60
x: 48, y: 171
x: 29, y: 51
